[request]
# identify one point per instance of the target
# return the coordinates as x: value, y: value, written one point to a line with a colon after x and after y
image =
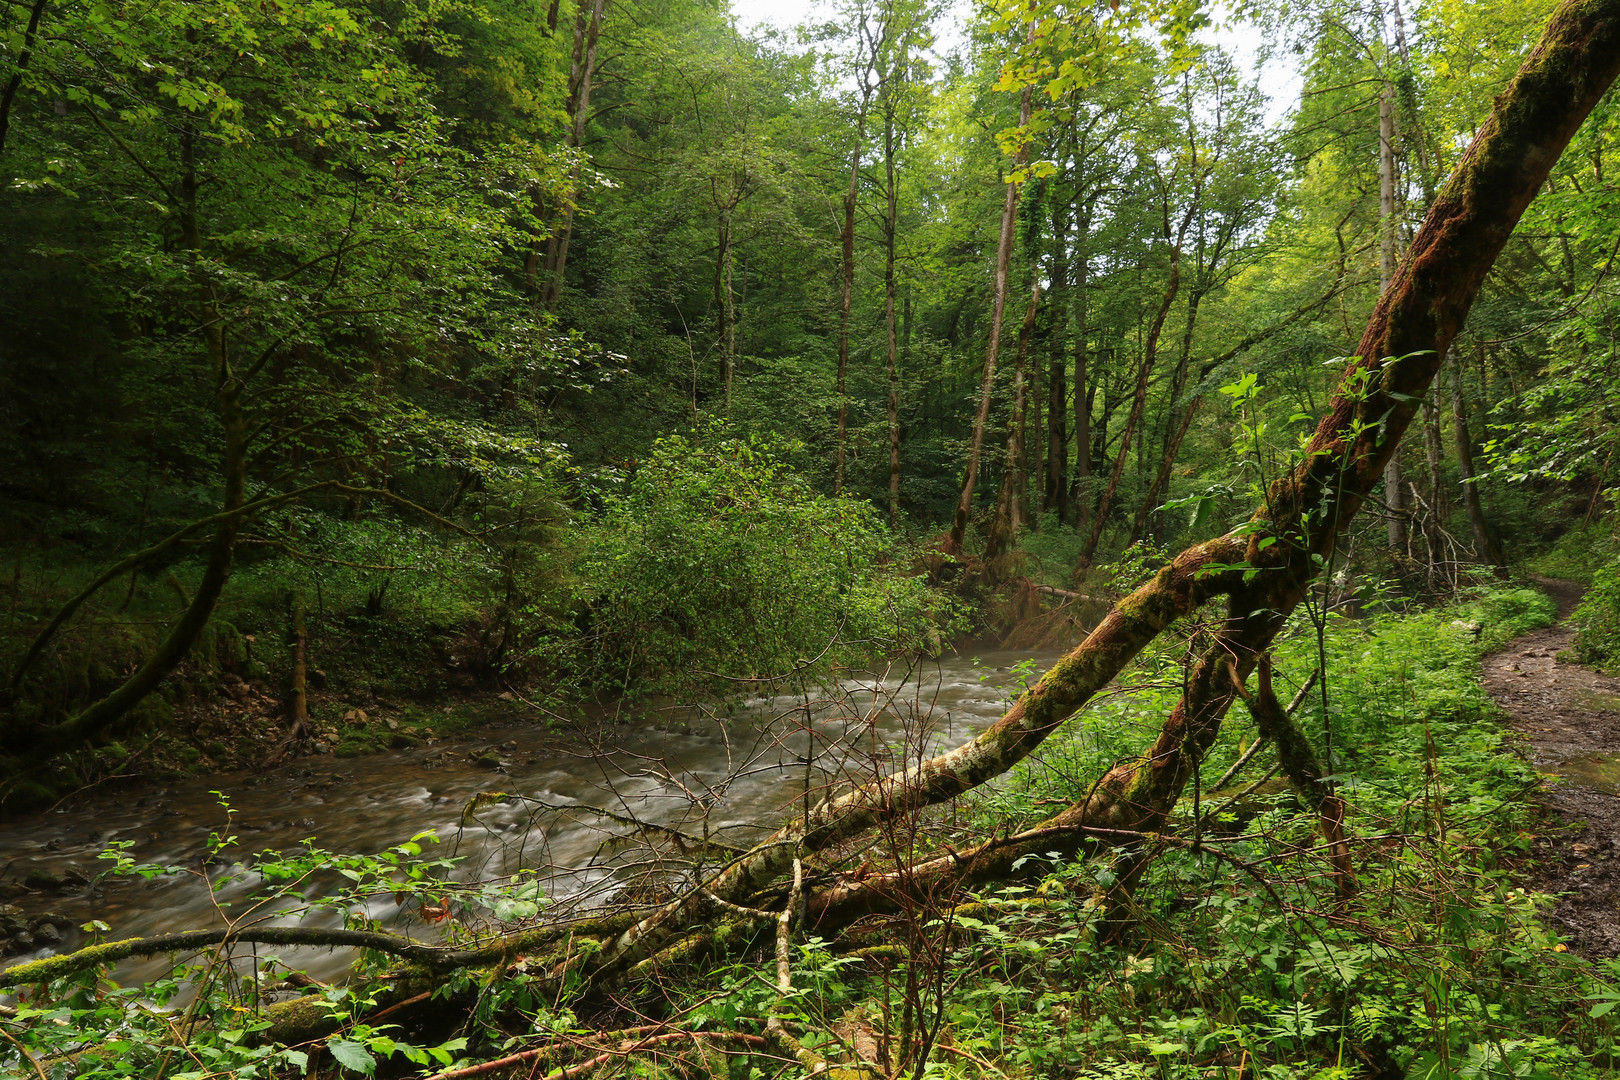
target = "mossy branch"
x: 435, y: 957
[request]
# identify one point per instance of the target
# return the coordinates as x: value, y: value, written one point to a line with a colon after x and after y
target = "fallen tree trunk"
x: 427, y: 954
x: 1263, y: 568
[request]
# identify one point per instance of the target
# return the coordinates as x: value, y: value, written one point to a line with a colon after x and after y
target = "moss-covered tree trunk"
x: 1306, y: 510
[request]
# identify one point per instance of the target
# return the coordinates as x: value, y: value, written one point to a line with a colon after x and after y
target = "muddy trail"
x: 1570, y: 718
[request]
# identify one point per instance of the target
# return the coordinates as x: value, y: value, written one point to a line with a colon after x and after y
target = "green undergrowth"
x: 1237, y: 955
x: 1243, y: 960
x: 1579, y: 554
x: 1597, y: 641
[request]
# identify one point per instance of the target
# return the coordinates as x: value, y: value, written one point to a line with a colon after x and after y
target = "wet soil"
x: 1570, y: 719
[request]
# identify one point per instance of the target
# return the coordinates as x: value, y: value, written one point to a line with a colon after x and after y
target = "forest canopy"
x: 400, y: 308
x: 594, y: 362
x: 435, y: 317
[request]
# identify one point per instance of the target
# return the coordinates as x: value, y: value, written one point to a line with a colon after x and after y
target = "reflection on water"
x: 744, y: 773
x: 1600, y: 772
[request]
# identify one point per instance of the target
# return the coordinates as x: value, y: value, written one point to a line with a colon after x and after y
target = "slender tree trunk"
x: 534, y: 257
x: 723, y: 304
x: 1484, y: 540
x: 1150, y: 350
x: 1161, y: 480
x: 587, y: 27
x: 1009, y: 518
x: 1084, y: 391
x: 846, y: 245
x: 1394, y: 496
x: 1433, y: 459
x: 1173, y: 438
x: 298, y: 696
x: 1434, y: 453
x: 998, y: 307
x: 1057, y: 434
x: 1034, y: 445
x: 8, y: 97
x: 891, y: 229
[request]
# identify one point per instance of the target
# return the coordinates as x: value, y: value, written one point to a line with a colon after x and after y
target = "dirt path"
x: 1570, y: 718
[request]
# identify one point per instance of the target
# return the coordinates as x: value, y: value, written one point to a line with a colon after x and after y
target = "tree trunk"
x: 891, y: 227
x: 1434, y: 453
x: 1083, y: 390
x: 1172, y: 439
x: 1484, y: 540
x: 586, y: 30
x: 1434, y: 460
x: 723, y: 305
x: 1057, y: 433
x: 298, y: 696
x: 8, y: 97
x: 1284, y: 546
x: 1394, y: 495
x: 998, y: 307
x: 846, y: 247
x: 1009, y: 517
x: 1034, y: 437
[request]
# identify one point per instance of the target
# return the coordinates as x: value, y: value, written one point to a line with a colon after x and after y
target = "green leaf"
x: 352, y: 1055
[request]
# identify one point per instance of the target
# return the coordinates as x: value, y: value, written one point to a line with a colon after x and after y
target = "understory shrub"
x: 1597, y: 641
x: 717, y: 566
x: 1235, y: 955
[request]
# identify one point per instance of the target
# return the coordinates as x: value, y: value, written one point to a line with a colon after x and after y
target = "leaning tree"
x: 1260, y: 571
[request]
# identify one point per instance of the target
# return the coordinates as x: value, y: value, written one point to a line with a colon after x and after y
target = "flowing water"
x: 741, y: 774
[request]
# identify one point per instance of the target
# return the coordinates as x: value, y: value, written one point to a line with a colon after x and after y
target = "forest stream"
x: 750, y: 766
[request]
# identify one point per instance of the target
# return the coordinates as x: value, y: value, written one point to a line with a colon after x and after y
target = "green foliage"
x: 1440, y: 966
x: 208, y: 1016
x: 1597, y: 642
x: 1579, y: 554
x: 1503, y: 614
x: 715, y: 566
